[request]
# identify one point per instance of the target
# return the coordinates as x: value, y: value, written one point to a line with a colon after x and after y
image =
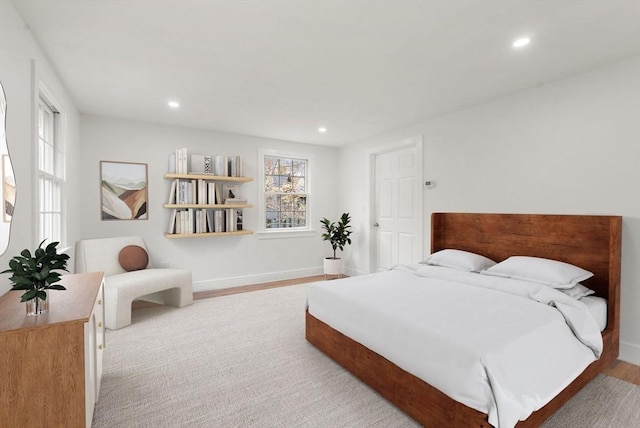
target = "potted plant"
x: 337, y: 233
x: 36, y: 274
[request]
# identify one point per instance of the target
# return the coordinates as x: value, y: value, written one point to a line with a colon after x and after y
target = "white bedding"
x: 597, y: 307
x: 501, y: 346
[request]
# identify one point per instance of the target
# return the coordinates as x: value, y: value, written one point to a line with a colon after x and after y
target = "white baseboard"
x: 353, y: 272
x: 238, y: 281
x: 629, y: 352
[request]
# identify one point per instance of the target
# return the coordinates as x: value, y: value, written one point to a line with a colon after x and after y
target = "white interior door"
x: 397, y: 227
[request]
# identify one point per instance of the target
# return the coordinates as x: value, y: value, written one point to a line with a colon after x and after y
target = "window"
x: 50, y: 175
x: 286, y: 193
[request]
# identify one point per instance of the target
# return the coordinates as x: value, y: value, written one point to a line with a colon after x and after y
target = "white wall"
x: 23, y: 67
x: 569, y: 147
x: 215, y: 262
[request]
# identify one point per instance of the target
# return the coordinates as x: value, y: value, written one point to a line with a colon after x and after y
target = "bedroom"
x: 570, y: 145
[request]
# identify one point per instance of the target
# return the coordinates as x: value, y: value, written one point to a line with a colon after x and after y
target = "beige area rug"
x: 242, y: 361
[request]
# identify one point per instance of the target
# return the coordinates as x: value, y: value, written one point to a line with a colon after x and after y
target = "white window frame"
x: 59, y: 168
x: 261, y: 231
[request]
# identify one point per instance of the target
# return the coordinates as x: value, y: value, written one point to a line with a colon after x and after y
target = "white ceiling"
x: 281, y: 69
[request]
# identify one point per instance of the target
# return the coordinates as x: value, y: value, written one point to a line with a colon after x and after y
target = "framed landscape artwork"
x: 123, y: 191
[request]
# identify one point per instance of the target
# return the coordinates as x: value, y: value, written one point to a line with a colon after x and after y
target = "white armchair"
x: 159, y: 285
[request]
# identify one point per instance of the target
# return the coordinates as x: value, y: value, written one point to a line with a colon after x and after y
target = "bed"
x: 591, y: 242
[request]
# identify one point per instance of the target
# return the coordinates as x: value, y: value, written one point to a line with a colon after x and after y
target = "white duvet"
x: 501, y: 346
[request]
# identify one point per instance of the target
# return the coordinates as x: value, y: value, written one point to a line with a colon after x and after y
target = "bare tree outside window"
x: 285, y: 192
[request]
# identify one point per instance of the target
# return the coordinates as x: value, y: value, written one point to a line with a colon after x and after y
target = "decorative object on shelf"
x: 124, y: 190
x: 201, y: 164
x: 338, y: 234
x: 230, y: 191
x: 36, y: 274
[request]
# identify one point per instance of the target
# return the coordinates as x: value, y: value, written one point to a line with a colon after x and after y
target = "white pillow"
x: 544, y: 271
x: 461, y: 260
x: 578, y: 291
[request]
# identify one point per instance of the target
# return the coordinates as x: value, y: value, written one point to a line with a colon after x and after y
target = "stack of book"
x: 193, y: 220
x: 178, y: 161
x: 204, y: 220
x: 219, y: 165
x: 199, y: 192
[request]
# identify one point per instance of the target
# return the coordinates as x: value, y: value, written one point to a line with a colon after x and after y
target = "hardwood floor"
x: 619, y: 369
x: 256, y: 287
x: 624, y: 371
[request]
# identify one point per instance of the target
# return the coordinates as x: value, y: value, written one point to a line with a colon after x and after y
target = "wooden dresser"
x: 51, y: 365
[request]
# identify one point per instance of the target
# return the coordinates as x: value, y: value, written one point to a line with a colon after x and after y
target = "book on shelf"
x: 177, y: 227
x: 191, y: 226
x: 218, y: 221
x: 176, y: 223
x: 182, y: 192
x: 220, y: 166
x: 172, y: 192
x: 172, y: 221
x: 238, y: 219
x: 211, y: 193
x: 180, y: 222
x: 219, y: 199
x: 201, y: 194
x: 181, y: 161
x: 235, y: 201
x: 209, y: 215
x: 198, y: 224
x: 193, y: 191
x: 172, y: 163
x: 230, y: 220
x: 234, y: 168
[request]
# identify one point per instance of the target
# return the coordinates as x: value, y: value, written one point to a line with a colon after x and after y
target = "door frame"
x: 405, y: 143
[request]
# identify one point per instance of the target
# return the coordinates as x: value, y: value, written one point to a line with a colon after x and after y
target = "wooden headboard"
x: 590, y: 242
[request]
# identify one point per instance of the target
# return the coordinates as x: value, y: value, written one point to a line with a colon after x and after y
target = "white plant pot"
x: 332, y: 266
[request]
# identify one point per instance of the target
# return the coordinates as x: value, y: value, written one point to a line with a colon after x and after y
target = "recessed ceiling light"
x: 173, y: 104
x: 322, y: 129
x: 521, y: 42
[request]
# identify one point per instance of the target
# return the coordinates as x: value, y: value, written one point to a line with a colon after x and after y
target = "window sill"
x: 280, y: 234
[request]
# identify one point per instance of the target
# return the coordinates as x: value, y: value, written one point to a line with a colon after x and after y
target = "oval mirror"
x: 8, y: 188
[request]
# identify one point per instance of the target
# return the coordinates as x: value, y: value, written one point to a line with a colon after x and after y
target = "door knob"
x: 376, y: 224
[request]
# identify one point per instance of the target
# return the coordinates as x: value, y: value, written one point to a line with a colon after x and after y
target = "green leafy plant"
x: 337, y: 233
x: 36, y: 273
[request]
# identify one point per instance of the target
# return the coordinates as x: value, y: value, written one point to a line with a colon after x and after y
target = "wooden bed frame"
x: 591, y: 242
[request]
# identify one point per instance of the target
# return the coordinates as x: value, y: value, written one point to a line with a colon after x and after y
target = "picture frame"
x: 230, y: 191
x: 123, y: 191
x: 8, y: 189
